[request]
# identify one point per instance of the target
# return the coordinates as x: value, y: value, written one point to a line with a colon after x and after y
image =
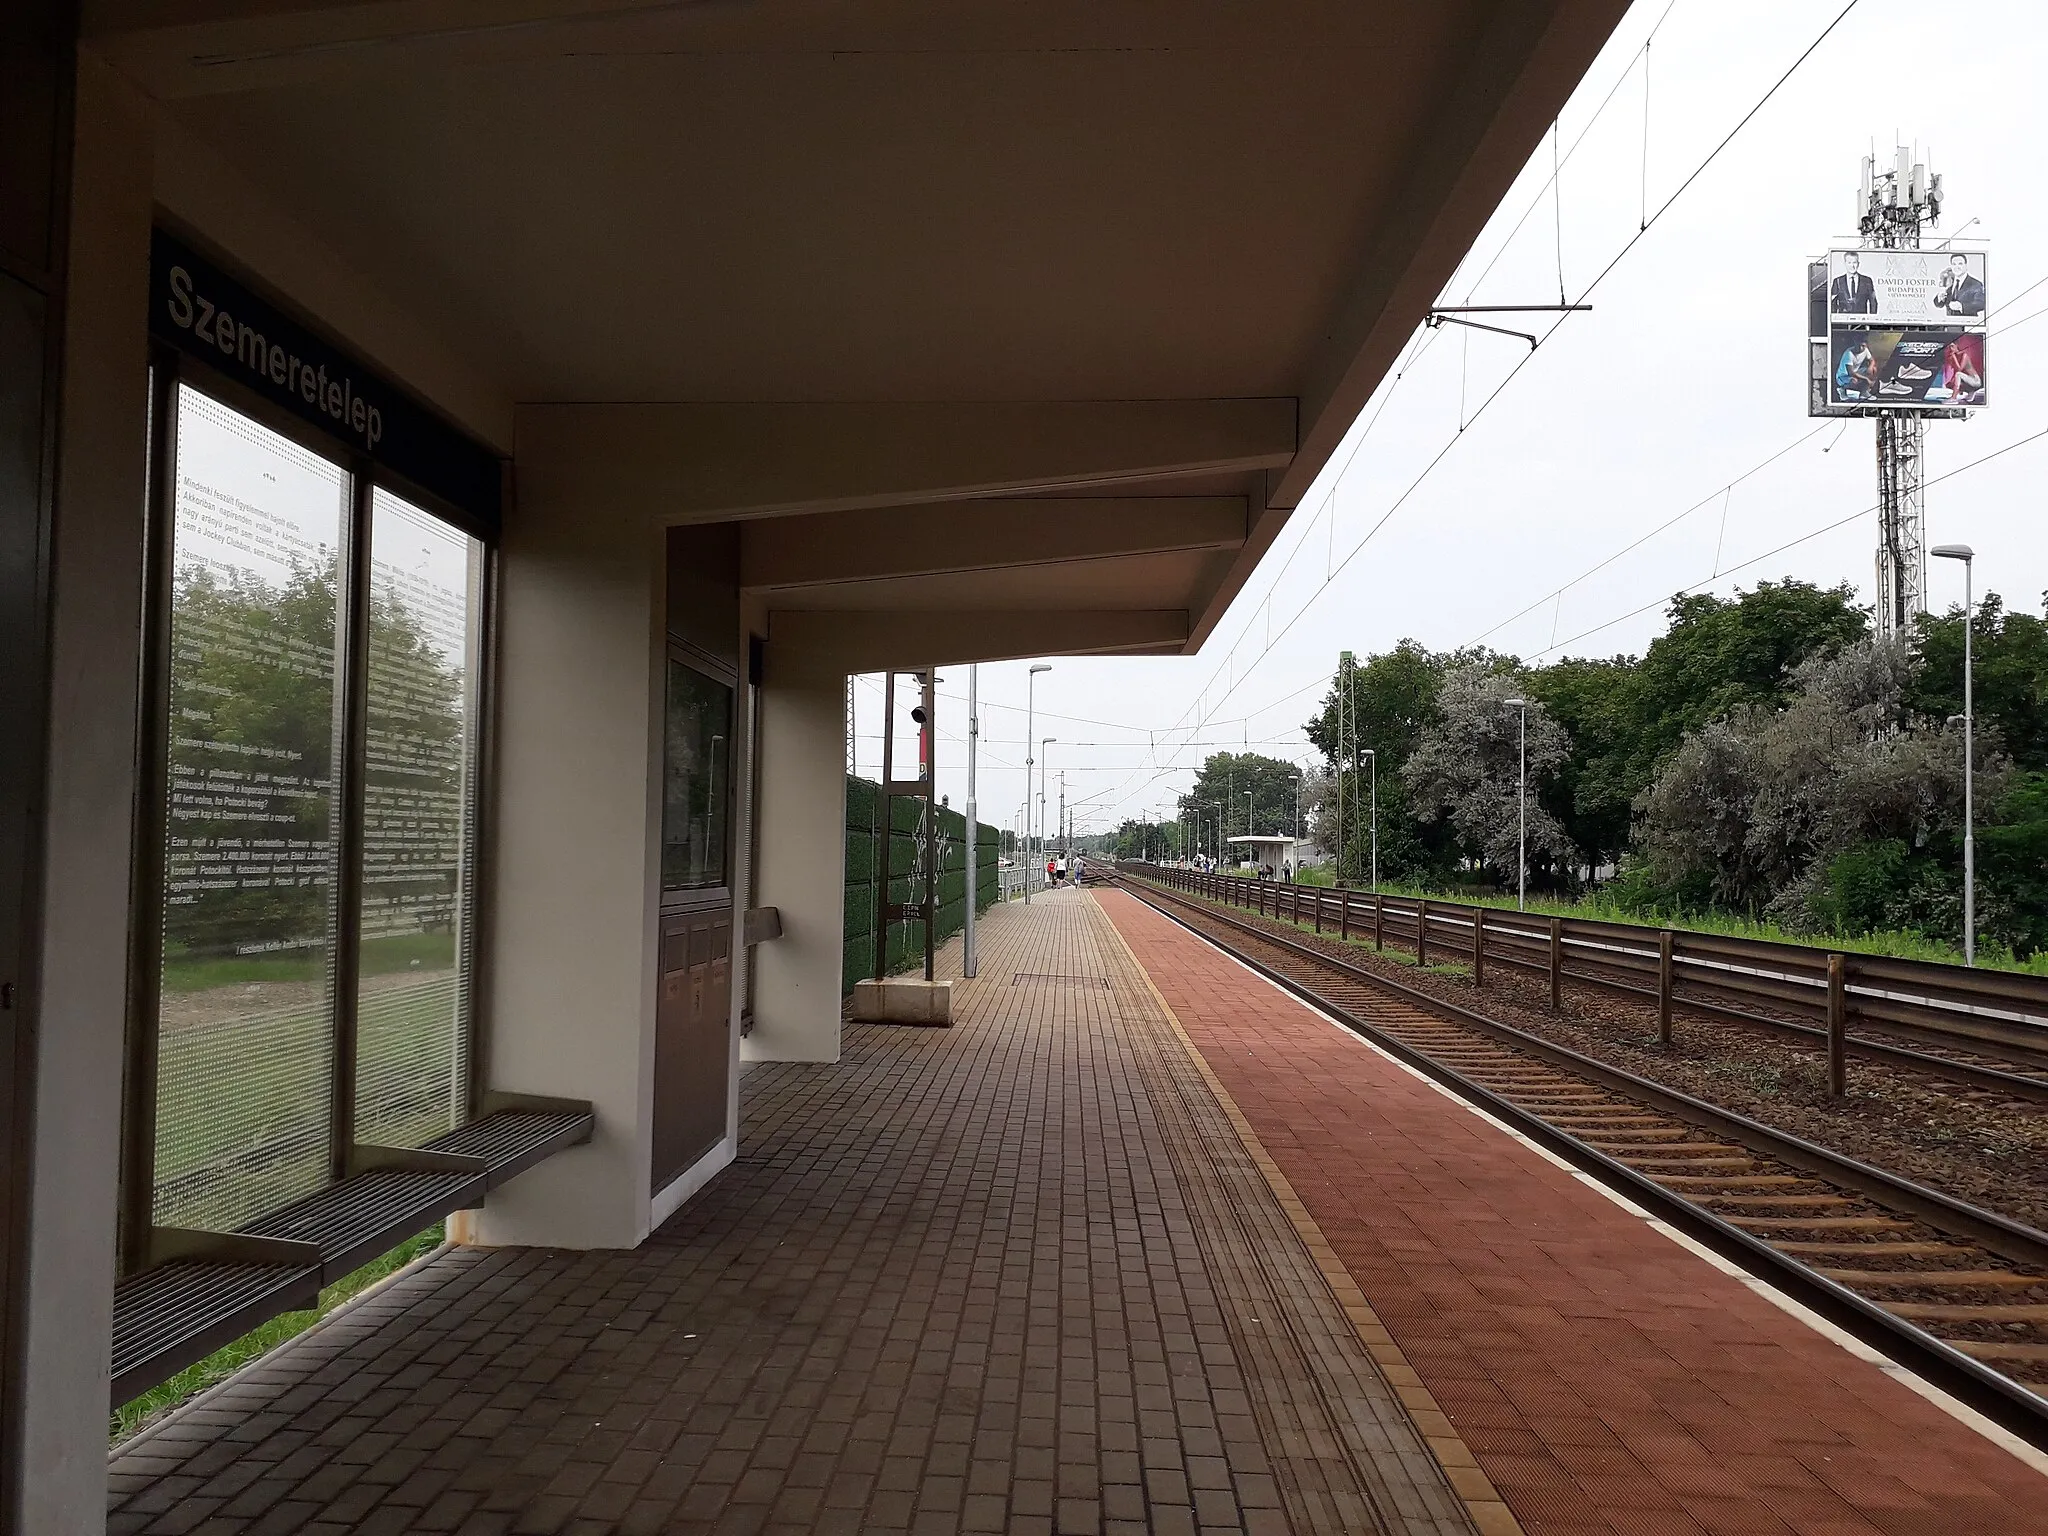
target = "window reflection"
x: 413, y: 985
x: 245, y: 1048
x: 696, y: 742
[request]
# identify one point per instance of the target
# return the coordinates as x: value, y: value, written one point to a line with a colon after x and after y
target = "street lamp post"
x: 1030, y: 723
x: 1044, y: 833
x: 1522, y: 810
x: 1297, y: 824
x: 1967, y: 555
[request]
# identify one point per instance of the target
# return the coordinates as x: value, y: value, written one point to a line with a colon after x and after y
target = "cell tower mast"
x: 1892, y: 206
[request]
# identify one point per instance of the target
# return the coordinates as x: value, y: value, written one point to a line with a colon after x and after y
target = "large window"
x: 245, y: 1043
x: 319, y: 716
x: 412, y: 987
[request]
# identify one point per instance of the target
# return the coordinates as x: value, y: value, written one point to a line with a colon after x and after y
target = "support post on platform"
x: 967, y: 954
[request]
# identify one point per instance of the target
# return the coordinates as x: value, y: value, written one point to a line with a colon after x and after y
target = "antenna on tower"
x: 1900, y: 339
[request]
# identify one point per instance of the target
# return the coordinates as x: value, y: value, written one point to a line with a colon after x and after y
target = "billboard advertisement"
x: 1938, y: 368
x: 1885, y: 288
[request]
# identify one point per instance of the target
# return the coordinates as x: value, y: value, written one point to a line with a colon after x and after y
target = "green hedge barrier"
x: 865, y: 856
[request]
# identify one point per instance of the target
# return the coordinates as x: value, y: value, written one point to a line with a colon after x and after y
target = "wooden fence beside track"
x: 1809, y: 990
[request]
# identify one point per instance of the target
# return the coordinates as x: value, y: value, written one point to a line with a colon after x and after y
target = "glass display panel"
x: 419, y: 826
x: 696, y: 740
x: 244, y: 1031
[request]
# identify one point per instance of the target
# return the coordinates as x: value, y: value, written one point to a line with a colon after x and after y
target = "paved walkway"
x: 1608, y: 1379
x: 1125, y: 1251
x: 1020, y: 1275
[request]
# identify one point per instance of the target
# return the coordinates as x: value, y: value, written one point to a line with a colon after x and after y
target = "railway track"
x: 1953, y: 1292
x: 1986, y: 1030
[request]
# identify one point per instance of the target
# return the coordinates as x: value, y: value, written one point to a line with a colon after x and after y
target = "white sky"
x: 1688, y: 373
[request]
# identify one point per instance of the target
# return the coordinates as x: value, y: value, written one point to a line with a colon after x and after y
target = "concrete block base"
x: 903, y: 1002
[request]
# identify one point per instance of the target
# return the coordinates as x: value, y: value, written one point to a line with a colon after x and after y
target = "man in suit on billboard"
x: 1959, y: 293
x: 1852, y: 293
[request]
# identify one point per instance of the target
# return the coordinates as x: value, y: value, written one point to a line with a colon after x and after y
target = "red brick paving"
x: 1607, y: 1379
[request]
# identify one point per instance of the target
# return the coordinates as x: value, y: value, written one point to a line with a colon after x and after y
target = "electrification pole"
x: 1030, y: 736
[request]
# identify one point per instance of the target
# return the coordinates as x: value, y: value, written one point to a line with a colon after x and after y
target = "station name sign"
x: 200, y: 311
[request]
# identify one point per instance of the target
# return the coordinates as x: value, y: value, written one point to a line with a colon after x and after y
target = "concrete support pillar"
x: 573, y: 867
x: 803, y: 857
x: 95, y: 638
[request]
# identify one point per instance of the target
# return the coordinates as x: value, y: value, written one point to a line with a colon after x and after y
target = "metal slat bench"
x: 200, y: 1290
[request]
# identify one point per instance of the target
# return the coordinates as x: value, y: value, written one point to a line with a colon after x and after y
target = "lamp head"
x: 1043, y: 666
x: 1961, y: 552
x: 1514, y: 703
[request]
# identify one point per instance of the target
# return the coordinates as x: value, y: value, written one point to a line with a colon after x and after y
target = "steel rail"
x: 2014, y: 1083
x: 1943, y: 1023
x: 2005, y: 1402
x: 1915, y: 983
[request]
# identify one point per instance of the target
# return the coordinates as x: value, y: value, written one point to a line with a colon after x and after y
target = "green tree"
x: 1225, y: 779
x: 1466, y: 771
x: 1841, y: 811
x: 251, y: 811
x: 2009, y: 676
x: 1718, y: 655
x: 1593, y: 792
x: 1139, y: 839
x: 1386, y: 703
x: 2012, y: 862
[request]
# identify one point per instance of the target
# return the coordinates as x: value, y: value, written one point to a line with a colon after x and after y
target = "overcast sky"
x: 1688, y: 373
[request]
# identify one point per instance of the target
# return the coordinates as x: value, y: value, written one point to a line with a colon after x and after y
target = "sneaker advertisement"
x: 1932, y: 367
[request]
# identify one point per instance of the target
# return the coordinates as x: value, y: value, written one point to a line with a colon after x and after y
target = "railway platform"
x: 1140, y: 1245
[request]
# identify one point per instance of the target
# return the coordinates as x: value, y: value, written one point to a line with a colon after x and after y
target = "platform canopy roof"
x: 997, y: 309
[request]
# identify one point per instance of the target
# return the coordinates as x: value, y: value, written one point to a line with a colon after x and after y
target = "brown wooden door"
x: 691, y: 1048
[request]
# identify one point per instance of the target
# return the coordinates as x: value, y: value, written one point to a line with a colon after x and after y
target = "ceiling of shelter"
x: 1130, y: 581
x: 894, y: 201
x: 803, y: 200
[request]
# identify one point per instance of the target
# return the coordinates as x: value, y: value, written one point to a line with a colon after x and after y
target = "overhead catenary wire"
x: 1723, y: 492
x: 1230, y: 674
x: 1636, y: 543
x: 1514, y: 372
x: 1425, y: 337
x: 1804, y: 538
